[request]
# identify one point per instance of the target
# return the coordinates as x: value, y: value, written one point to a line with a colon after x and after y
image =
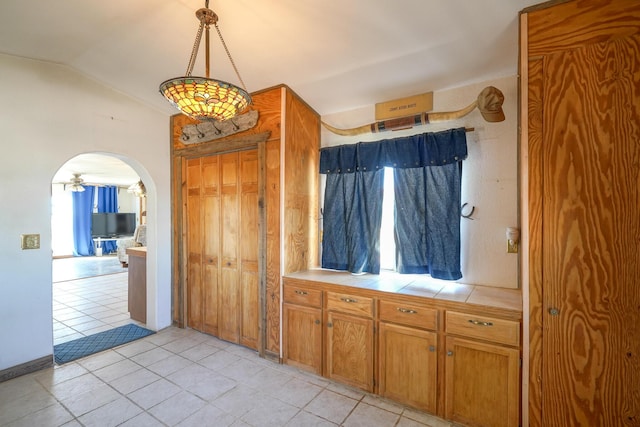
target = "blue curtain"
x: 427, y: 170
x: 427, y: 220
x: 352, y: 219
x: 82, y: 212
x: 108, y: 202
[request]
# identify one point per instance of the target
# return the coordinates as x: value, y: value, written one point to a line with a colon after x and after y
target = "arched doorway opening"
x: 90, y: 283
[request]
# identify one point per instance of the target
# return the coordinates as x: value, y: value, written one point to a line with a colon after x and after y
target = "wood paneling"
x: 280, y: 197
x: 272, y: 297
x: 583, y: 92
x: 302, y: 131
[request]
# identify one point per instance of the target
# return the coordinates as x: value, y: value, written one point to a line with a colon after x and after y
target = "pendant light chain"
x: 194, y: 51
x: 230, y: 58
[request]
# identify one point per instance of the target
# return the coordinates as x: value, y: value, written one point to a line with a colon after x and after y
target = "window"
x: 387, y: 237
x: 421, y: 191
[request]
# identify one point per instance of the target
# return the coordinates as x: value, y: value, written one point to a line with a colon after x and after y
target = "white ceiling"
x: 336, y: 54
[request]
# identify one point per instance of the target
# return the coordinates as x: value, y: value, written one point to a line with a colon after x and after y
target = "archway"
x: 94, y: 304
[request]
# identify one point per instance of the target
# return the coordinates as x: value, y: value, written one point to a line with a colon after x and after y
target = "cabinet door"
x: 583, y: 96
x: 349, y: 350
x: 481, y: 383
x: 302, y: 339
x: 407, y: 365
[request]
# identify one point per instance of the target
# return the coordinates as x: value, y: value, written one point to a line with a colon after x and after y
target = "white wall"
x: 490, y: 176
x: 49, y: 114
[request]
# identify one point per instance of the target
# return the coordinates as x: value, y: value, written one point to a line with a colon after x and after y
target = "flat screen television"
x: 113, y: 224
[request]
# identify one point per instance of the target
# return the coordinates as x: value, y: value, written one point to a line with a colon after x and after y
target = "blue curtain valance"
x: 427, y: 149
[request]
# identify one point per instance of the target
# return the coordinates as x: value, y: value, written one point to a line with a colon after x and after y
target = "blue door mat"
x: 72, y: 350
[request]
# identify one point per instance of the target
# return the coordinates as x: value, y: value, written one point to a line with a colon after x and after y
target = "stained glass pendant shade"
x: 203, y: 98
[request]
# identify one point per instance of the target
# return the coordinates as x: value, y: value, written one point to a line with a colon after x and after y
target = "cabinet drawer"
x: 346, y: 303
x: 407, y: 314
x: 484, y: 328
x: 302, y: 295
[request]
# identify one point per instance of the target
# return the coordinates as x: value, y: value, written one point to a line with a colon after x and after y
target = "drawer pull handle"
x: 348, y: 300
x: 479, y: 323
x: 407, y: 310
x: 301, y: 292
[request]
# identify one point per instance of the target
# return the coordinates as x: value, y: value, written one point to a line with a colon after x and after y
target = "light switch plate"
x: 30, y: 241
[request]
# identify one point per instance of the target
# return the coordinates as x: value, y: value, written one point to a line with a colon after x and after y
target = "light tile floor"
x: 90, y: 305
x: 178, y: 377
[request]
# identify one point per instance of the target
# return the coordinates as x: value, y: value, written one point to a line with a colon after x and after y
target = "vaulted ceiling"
x: 336, y: 54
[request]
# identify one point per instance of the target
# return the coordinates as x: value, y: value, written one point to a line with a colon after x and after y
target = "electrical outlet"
x: 30, y: 241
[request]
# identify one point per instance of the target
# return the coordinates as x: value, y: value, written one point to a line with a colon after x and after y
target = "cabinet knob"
x: 554, y: 311
x: 329, y: 325
x: 432, y: 348
x: 317, y: 322
x: 449, y: 353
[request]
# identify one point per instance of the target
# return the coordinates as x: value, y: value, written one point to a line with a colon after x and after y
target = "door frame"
x: 178, y: 191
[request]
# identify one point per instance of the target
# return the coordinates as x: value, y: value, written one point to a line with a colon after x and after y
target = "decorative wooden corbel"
x: 210, y: 130
x: 489, y: 103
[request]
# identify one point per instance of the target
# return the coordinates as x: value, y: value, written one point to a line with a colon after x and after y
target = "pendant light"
x: 204, y: 98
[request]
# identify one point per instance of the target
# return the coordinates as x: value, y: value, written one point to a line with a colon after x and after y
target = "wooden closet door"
x: 249, y: 284
x: 210, y: 211
x: 194, y: 244
x: 222, y: 245
x: 229, y: 295
x: 584, y: 109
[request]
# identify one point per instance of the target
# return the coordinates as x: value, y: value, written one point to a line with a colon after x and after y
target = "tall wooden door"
x: 584, y: 183
x: 222, y: 246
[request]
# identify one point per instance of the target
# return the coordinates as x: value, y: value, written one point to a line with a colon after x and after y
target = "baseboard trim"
x: 26, y: 368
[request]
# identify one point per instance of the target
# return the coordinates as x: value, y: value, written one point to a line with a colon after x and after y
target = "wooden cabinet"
x: 302, y: 326
x: 580, y: 80
x: 482, y: 377
x: 137, y: 276
x: 430, y: 354
x: 245, y: 211
x: 349, y: 339
x: 408, y: 354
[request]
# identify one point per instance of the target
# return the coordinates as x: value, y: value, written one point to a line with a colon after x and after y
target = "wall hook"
x: 467, y: 216
x: 200, y: 133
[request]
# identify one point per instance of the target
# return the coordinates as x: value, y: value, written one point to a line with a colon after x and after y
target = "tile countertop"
x: 420, y: 286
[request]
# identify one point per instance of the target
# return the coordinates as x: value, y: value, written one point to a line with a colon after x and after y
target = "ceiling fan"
x: 75, y: 184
